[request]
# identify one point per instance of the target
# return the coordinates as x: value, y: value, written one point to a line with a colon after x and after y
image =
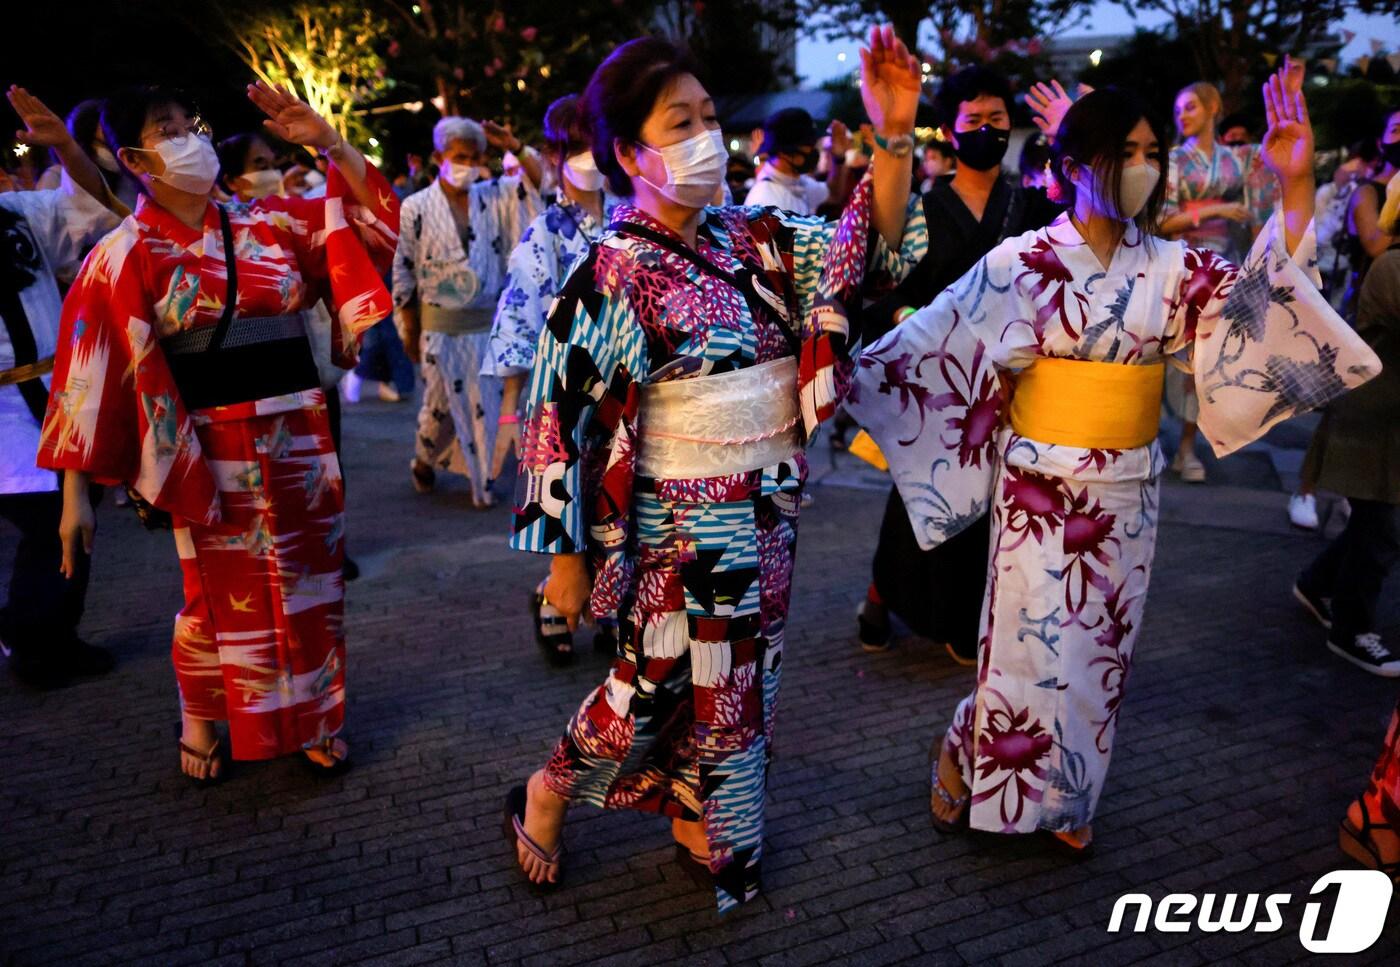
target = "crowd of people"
x: 652, y: 330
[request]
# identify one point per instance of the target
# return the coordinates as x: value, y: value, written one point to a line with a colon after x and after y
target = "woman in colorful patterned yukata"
x: 686, y: 362
x: 552, y: 245
x: 1218, y: 197
x: 1074, y: 322
x: 184, y: 370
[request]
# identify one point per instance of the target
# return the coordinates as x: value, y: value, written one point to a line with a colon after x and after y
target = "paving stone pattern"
x: 1240, y: 744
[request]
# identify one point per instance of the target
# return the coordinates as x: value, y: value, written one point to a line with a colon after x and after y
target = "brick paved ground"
x: 1241, y: 741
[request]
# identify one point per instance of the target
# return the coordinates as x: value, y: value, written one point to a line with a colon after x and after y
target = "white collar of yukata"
x: 1062, y: 231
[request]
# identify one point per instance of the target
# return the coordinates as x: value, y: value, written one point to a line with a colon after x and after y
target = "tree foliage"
x: 1227, y: 39
x: 328, y: 53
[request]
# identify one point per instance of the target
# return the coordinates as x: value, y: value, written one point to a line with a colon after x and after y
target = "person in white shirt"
x: 790, y: 152
x: 41, y: 233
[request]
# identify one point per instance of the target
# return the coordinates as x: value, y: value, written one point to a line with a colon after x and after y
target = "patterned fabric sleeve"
x: 832, y: 267
x: 577, y: 444
x: 1261, y: 187
x: 113, y: 410
x: 1265, y: 344
x: 530, y: 280
x: 517, y: 203
x: 344, y: 248
x: 930, y: 391
x: 1171, y: 202
x: 405, y: 271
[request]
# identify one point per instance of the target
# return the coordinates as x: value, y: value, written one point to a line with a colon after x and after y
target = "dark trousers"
x: 937, y: 593
x: 1353, y: 567
x: 382, y: 357
x: 44, y: 608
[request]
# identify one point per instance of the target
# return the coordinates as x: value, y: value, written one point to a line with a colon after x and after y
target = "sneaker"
x: 1367, y: 651
x: 1302, y: 511
x: 350, y: 387
x: 1318, y: 606
x: 874, y: 635
x: 424, y: 476
x: 1189, y: 466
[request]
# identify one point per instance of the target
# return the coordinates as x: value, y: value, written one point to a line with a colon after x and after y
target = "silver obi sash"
x: 454, y: 322
x: 711, y: 426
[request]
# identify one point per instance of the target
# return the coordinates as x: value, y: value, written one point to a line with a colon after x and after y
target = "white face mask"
x: 1135, y: 189
x: 105, y: 159
x: 694, y: 169
x: 261, y: 184
x: 459, y: 175
x: 582, y: 171
x: 190, y: 166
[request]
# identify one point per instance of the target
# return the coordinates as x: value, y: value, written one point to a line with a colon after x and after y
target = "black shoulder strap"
x: 746, y: 289
x: 231, y: 289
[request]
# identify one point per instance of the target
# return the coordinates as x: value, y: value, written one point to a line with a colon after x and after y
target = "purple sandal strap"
x: 549, y: 859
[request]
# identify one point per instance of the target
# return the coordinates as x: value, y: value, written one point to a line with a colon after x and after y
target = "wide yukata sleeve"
x: 1261, y: 187
x: 531, y: 274
x: 404, y: 275
x: 114, y: 412
x: 65, y: 221
x: 931, y: 394
x: 832, y: 267
x: 577, y: 449
x: 517, y: 203
x: 344, y: 248
x: 1264, y: 344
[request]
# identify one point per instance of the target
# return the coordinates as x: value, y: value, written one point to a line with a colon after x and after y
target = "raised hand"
x: 1049, y: 102
x: 42, y: 127
x: 500, y: 136
x: 840, y: 139
x: 1288, y: 143
x: 291, y: 118
x: 889, y: 83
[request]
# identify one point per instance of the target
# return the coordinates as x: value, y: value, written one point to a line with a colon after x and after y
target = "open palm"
x: 889, y: 82
x: 291, y: 118
x: 42, y: 127
x: 1288, y: 143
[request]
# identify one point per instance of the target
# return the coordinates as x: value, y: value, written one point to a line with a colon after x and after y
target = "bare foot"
x: 950, y: 777
x: 199, y: 734
x: 544, y: 823
x: 1386, y: 841
x: 1077, y: 838
x: 690, y: 833
x: 339, y: 753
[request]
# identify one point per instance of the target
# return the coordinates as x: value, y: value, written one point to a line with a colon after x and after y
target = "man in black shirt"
x: 938, y: 593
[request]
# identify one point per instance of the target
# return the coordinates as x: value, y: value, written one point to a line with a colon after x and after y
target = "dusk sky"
x: 818, y: 60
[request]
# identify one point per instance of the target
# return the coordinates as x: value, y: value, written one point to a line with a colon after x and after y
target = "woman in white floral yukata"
x: 553, y: 243
x: 1033, y: 385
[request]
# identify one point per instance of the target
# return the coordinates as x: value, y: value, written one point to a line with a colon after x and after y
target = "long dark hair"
x: 621, y: 94
x: 1092, y: 134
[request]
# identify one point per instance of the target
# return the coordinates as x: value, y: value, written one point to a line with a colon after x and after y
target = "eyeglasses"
x: 177, y: 133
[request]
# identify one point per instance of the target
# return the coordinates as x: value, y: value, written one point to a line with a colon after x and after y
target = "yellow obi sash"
x: 1080, y: 403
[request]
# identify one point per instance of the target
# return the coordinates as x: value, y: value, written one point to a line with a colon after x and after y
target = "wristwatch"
x: 899, y: 146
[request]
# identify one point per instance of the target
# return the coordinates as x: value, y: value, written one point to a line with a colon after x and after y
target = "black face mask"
x: 807, y: 163
x: 982, y: 149
x: 1391, y: 153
